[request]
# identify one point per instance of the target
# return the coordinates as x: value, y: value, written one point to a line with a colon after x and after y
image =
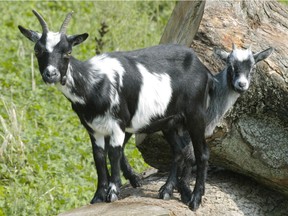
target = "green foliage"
x: 46, y: 164
x: 283, y: 1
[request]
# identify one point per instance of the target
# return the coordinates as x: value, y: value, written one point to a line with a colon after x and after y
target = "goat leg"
x: 101, y: 167
x: 127, y: 170
x: 114, y: 154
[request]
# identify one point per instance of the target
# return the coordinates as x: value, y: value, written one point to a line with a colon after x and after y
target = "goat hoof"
x: 135, y: 181
x: 194, y: 202
x: 165, y: 192
x: 166, y: 196
x: 185, y: 199
x: 185, y: 192
x: 112, y: 194
x: 112, y: 197
x: 186, y: 196
x: 99, y: 197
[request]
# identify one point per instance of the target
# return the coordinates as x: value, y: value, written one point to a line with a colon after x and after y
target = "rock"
x: 227, y: 193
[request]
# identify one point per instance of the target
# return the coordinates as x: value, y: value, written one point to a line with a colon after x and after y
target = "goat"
x: 226, y: 87
x: 165, y: 87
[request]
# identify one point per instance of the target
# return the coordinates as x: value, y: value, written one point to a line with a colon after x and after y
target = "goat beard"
x: 63, y: 80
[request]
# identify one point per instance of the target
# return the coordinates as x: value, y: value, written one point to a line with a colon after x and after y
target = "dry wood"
x: 184, y: 15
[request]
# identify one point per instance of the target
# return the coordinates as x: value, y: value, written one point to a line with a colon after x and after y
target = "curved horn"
x: 42, y: 21
x: 65, y: 23
x: 233, y: 46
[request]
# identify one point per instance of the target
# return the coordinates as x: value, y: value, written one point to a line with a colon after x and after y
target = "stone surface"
x: 227, y: 194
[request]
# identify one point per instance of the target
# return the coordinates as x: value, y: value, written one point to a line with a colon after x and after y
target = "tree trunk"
x: 184, y: 15
x: 252, y: 139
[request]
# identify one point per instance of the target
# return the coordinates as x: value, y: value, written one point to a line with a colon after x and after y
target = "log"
x: 185, y: 14
x: 227, y: 193
x: 252, y: 139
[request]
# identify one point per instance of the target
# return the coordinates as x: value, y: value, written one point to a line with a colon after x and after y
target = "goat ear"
x: 262, y: 55
x: 222, y: 54
x: 30, y: 34
x: 77, y: 39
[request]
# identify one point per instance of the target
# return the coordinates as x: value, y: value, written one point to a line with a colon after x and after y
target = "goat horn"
x: 65, y: 23
x: 233, y: 46
x: 42, y: 21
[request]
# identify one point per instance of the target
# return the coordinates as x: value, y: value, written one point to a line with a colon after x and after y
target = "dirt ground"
x: 227, y: 193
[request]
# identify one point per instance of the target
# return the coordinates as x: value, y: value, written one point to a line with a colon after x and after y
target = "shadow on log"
x: 253, y: 137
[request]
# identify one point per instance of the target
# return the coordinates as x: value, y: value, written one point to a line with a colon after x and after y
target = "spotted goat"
x: 163, y: 88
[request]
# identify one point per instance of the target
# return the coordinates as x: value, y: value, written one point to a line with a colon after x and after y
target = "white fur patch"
x: 53, y: 38
x: 99, y: 140
x: 110, y: 67
x: 107, y: 126
x: 117, y: 137
x: 242, y: 79
x: 113, y: 192
x: 51, y: 68
x: 154, y: 97
x: 241, y: 55
x: 113, y: 187
x: 103, y: 124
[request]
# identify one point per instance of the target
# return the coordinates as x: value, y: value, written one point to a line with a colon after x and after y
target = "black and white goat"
x: 115, y: 94
x: 225, y: 89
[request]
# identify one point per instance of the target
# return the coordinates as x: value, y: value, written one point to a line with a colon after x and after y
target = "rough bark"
x: 184, y: 15
x: 253, y: 137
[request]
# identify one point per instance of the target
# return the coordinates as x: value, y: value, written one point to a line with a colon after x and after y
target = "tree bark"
x: 184, y: 15
x: 252, y: 139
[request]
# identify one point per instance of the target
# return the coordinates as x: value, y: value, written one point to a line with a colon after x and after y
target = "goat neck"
x: 76, y: 79
x: 221, y: 98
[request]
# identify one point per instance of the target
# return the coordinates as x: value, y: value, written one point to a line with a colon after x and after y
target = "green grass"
x: 46, y: 164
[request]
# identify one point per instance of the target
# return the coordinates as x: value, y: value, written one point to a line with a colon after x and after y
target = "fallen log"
x: 227, y: 193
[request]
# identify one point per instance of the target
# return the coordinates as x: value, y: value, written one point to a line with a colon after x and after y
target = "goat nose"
x: 242, y: 84
x: 50, y: 74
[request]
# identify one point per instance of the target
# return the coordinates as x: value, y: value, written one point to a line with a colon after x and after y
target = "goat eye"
x: 38, y: 52
x: 67, y: 54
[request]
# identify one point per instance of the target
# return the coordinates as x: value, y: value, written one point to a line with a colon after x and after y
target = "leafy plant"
x: 99, y: 40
